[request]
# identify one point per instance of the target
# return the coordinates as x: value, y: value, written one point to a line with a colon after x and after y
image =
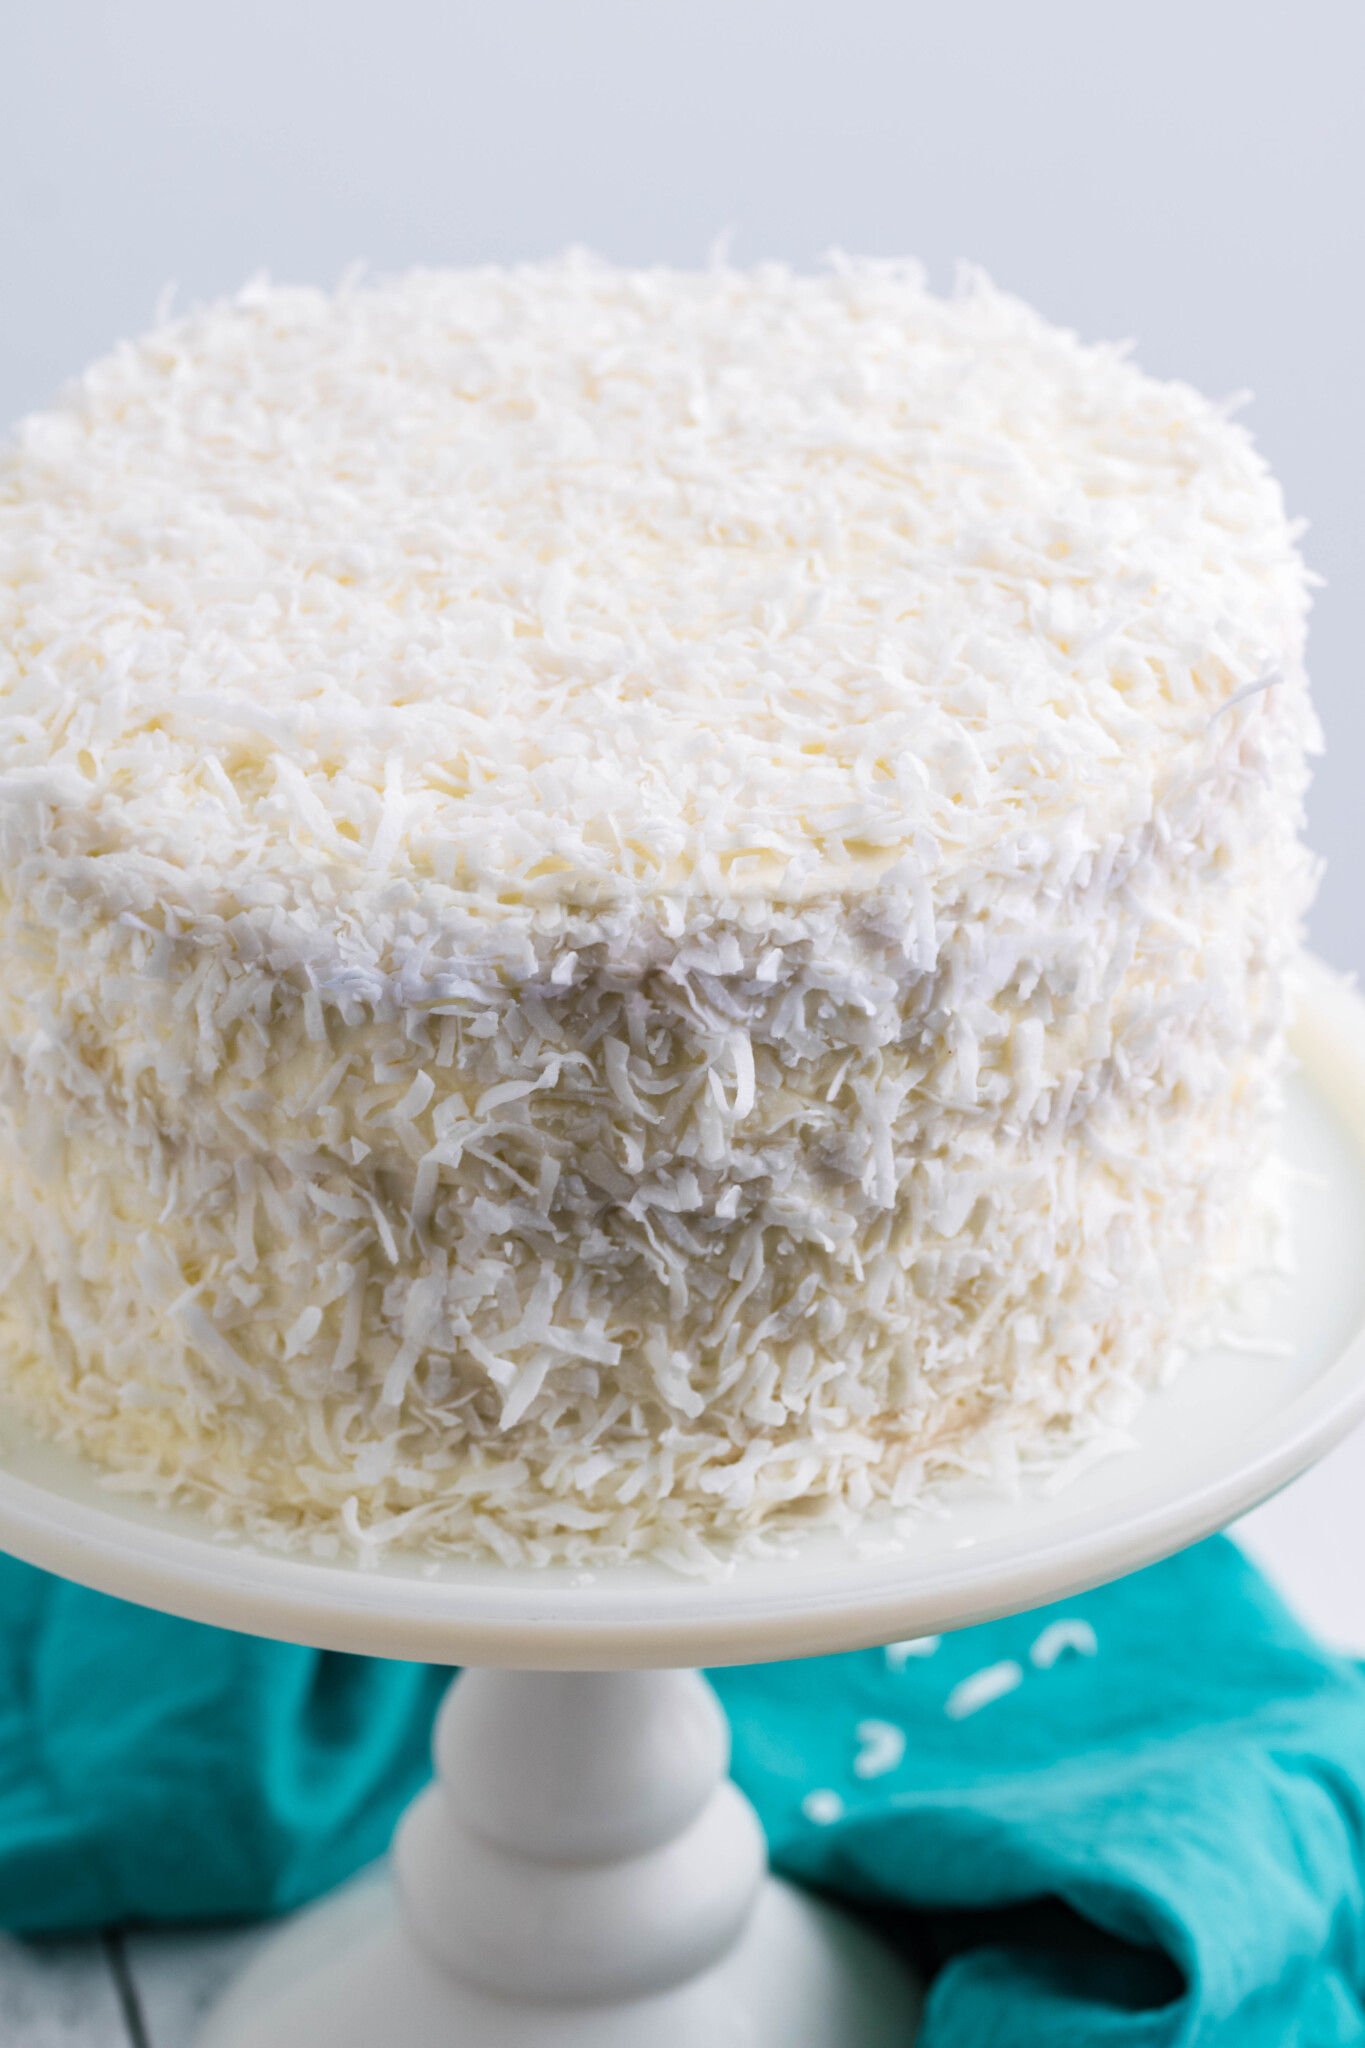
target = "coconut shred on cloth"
x: 639, y: 908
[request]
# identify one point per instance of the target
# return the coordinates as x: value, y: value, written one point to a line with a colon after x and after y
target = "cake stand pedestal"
x: 582, y: 1875
x: 583, y: 1872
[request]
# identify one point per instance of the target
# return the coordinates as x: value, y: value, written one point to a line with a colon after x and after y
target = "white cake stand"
x: 584, y: 1874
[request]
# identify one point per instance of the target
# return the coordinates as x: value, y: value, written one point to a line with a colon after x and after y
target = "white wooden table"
x: 149, y: 1990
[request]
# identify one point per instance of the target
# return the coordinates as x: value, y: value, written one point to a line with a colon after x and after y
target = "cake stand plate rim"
x: 819, y: 1602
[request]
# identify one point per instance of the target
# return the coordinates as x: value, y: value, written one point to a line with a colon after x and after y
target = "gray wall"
x: 1187, y: 172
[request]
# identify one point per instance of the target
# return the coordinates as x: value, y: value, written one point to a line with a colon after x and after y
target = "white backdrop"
x: 1187, y: 172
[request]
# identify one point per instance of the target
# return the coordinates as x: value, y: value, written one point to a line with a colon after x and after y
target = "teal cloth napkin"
x: 1135, y: 1819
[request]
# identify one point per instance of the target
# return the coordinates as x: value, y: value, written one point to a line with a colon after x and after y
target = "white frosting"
x: 636, y: 905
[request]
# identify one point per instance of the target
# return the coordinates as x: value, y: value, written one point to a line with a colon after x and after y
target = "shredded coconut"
x: 638, y: 908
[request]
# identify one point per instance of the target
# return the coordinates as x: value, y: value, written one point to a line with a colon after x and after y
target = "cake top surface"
x: 523, y: 593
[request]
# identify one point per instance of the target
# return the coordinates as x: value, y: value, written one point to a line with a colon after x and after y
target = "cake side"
x: 678, y: 1240
x: 567, y: 1177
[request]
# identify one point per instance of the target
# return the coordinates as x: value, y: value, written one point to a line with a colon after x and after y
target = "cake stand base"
x: 582, y: 1874
x: 347, y: 1974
